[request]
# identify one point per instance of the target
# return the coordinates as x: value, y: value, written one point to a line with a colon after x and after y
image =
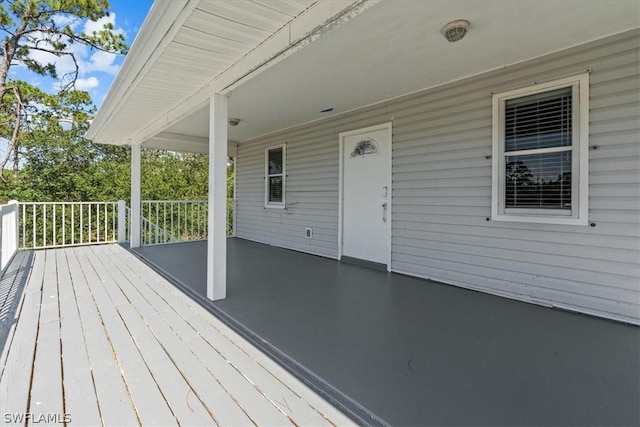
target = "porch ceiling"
x: 389, y: 49
x: 182, y: 46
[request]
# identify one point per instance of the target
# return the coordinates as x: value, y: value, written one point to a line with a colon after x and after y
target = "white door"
x: 366, y: 194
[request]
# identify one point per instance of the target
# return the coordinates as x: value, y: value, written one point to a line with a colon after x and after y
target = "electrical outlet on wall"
x: 308, y: 233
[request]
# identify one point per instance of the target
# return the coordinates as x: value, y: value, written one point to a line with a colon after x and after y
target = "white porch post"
x: 135, y: 196
x: 217, y: 238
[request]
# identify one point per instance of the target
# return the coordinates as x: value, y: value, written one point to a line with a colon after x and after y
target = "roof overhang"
x: 343, y: 55
x: 187, y: 50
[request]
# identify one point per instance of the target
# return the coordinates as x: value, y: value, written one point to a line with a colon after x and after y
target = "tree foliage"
x: 70, y: 168
x: 57, y: 162
x: 52, y: 161
x: 30, y: 26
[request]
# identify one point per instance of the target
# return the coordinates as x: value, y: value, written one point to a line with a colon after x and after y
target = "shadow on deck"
x: 12, y: 283
x: 417, y: 352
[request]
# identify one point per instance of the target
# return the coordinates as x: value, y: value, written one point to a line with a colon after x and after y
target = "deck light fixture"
x: 234, y: 122
x: 455, y: 30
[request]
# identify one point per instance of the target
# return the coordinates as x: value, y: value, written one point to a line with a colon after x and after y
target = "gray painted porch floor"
x: 416, y: 352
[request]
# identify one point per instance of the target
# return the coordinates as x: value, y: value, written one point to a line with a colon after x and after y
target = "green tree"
x: 60, y: 165
x: 168, y: 175
x: 30, y: 26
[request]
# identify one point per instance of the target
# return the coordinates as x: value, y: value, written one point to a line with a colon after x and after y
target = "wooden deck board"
x: 80, y: 394
x: 116, y: 407
x: 202, y: 336
x: 111, y: 342
x: 180, y: 336
x: 12, y: 282
x: 15, y: 380
x: 223, y: 408
x: 46, y: 388
x: 147, y: 397
x: 186, y: 406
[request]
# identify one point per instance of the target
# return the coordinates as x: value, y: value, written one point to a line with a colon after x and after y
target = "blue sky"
x: 97, y: 69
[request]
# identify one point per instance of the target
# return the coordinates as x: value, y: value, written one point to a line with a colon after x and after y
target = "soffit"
x: 212, y: 37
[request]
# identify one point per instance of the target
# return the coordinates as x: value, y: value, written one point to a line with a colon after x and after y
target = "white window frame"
x: 579, y: 149
x: 267, y: 203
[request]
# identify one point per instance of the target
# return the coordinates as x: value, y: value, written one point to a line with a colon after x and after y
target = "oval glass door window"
x: 365, y: 147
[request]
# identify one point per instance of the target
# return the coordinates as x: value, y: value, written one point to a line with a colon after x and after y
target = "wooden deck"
x: 102, y: 339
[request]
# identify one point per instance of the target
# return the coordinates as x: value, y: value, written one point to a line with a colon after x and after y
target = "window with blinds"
x: 275, y: 176
x: 538, y: 145
x: 540, y: 162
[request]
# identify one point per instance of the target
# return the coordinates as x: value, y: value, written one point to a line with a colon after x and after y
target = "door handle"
x: 384, y: 212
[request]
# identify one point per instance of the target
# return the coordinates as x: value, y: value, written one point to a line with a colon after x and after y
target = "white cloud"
x: 101, y: 61
x: 86, y: 84
x: 96, y: 26
x: 63, y: 20
x: 89, y: 60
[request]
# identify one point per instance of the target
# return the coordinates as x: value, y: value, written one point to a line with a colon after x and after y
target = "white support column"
x: 217, y: 239
x: 135, y: 196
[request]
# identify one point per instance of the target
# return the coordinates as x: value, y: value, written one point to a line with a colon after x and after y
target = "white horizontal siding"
x: 311, y: 195
x: 442, y: 188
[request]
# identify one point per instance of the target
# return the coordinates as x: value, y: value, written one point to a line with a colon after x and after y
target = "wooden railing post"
x: 122, y: 221
x: 10, y: 237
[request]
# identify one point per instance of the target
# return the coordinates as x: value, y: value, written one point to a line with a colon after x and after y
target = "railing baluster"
x: 89, y: 221
x: 157, y: 219
x: 24, y: 226
x: 54, y: 225
x: 179, y: 222
x: 73, y: 229
x: 149, y: 230
x: 64, y: 224
x: 34, y: 225
x: 81, y: 225
x: 106, y: 236
x: 44, y: 225
x: 33, y: 219
x: 98, y: 222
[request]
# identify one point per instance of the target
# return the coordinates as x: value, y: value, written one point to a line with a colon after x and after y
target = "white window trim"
x: 580, y: 157
x: 267, y: 203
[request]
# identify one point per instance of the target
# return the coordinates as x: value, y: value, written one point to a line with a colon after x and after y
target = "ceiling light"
x: 234, y: 122
x: 455, y: 30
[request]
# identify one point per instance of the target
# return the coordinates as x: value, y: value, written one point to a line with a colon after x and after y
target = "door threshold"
x: 364, y: 263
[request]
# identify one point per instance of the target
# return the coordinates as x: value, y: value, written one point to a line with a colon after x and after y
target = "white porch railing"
x: 40, y: 225
x: 169, y: 221
x: 59, y: 224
